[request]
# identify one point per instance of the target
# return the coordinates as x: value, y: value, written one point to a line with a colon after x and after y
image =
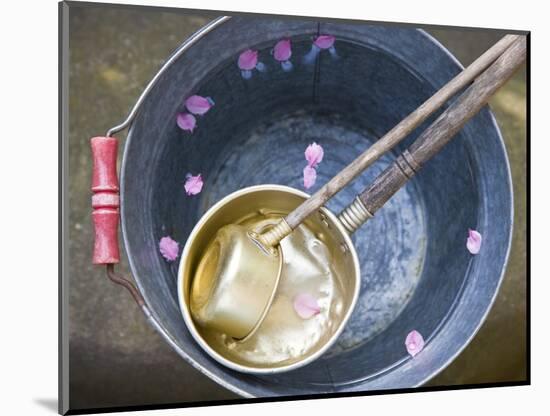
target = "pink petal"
x: 193, y: 184
x: 169, y: 248
x: 324, y: 41
x: 198, y: 105
x: 186, y: 122
x: 473, y: 243
x: 314, y: 154
x: 414, y: 343
x: 248, y: 59
x: 310, y: 175
x: 282, y: 51
x: 306, y: 306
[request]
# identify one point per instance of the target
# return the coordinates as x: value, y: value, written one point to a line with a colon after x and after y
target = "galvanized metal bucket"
x: 416, y: 273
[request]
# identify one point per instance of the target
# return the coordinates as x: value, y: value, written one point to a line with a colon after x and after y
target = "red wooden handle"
x: 105, y: 200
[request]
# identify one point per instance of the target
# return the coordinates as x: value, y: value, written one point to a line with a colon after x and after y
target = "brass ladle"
x: 237, y: 276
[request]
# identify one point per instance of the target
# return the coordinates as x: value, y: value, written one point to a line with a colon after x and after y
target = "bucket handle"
x: 106, y: 211
x: 105, y: 185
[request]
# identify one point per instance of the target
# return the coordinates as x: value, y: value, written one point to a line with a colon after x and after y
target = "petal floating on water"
x: 473, y: 243
x: 324, y: 41
x: 414, y: 343
x: 193, y: 184
x: 314, y: 154
x: 306, y: 306
x: 310, y: 175
x: 186, y: 122
x: 169, y: 248
x: 248, y: 59
x: 199, y: 105
x: 282, y: 50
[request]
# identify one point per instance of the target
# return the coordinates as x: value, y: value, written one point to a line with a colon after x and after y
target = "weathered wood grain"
x: 398, y: 133
x: 441, y: 131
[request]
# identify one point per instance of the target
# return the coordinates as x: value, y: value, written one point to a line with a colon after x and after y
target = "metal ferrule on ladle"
x: 354, y: 215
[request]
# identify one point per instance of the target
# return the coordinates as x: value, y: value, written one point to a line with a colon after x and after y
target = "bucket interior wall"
x: 416, y: 271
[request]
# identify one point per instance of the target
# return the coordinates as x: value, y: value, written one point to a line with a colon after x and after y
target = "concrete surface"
x: 116, y: 358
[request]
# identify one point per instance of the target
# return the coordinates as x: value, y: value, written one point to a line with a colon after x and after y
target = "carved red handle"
x: 105, y: 200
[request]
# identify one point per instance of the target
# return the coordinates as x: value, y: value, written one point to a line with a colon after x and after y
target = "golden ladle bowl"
x: 218, y: 290
x: 238, y: 273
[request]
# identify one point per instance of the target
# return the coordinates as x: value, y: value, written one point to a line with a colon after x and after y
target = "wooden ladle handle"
x: 436, y: 136
x: 399, y: 132
x: 387, y: 142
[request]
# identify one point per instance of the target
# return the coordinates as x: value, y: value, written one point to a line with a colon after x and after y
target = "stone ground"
x: 116, y: 358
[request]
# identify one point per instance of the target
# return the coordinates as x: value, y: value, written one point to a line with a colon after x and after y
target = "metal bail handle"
x: 105, y: 185
x: 106, y: 204
x: 105, y: 200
